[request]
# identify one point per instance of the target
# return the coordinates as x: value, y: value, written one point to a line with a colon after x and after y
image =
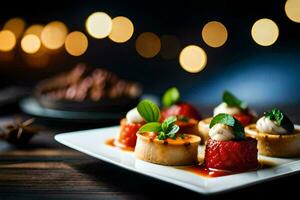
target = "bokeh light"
x: 193, y: 59
x: 35, y: 29
x: 7, y: 40
x: 15, y: 25
x: 170, y: 46
x: 265, y: 32
x: 292, y: 10
x: 54, y: 34
x: 122, y: 29
x: 76, y: 43
x: 99, y: 25
x: 214, y: 34
x: 148, y: 45
x: 30, y: 43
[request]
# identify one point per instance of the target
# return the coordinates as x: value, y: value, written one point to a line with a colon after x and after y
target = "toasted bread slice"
x: 275, y: 145
x: 179, y: 151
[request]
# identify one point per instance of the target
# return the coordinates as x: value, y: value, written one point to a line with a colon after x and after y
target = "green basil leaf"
x: 281, y: 119
x: 167, y: 123
x: 151, y: 127
x: 232, y: 101
x: 149, y: 111
x: 238, y: 129
x: 174, y: 129
x: 161, y: 136
x: 222, y: 118
x: 170, y: 97
x: 182, y: 135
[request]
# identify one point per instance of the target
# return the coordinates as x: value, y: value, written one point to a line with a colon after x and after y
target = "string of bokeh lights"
x: 37, y: 41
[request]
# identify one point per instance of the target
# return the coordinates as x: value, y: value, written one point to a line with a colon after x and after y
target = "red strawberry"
x: 231, y: 155
x: 128, y: 133
x: 245, y: 119
x: 181, y: 109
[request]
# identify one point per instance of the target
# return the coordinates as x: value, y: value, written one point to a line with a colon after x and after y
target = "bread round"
x: 275, y: 145
x: 203, y: 127
x: 169, y: 151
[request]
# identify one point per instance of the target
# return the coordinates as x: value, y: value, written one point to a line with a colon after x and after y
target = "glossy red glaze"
x: 181, y: 109
x: 244, y: 118
x: 128, y: 133
x: 231, y: 155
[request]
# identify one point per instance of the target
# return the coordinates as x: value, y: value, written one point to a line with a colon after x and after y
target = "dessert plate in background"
x: 93, y: 143
x: 32, y: 107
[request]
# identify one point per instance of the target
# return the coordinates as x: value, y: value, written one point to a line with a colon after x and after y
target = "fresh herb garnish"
x: 151, y: 114
x: 182, y: 135
x: 149, y: 111
x: 238, y: 129
x: 170, y: 97
x: 280, y: 119
x: 166, y: 129
x: 232, y: 101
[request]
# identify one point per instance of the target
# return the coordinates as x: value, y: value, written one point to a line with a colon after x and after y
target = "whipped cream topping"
x: 224, y: 108
x: 221, y: 132
x: 264, y: 124
x: 133, y: 116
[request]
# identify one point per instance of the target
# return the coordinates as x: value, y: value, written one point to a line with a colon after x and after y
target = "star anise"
x: 18, y: 132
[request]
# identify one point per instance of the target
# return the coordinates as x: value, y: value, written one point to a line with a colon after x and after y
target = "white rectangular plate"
x: 92, y: 142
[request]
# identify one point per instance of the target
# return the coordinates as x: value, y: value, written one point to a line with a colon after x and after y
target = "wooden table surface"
x: 48, y: 170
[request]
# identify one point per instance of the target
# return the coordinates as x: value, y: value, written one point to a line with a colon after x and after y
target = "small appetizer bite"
x: 276, y: 135
x: 227, y: 147
x: 161, y: 142
x: 129, y: 127
x: 187, y: 115
x: 232, y: 106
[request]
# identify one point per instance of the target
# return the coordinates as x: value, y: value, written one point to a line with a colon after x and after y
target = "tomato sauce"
x: 201, y: 170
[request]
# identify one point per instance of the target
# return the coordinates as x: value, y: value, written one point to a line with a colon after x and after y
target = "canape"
x: 129, y: 127
x: 227, y: 147
x: 232, y: 106
x: 276, y: 135
x: 161, y: 142
x: 187, y: 115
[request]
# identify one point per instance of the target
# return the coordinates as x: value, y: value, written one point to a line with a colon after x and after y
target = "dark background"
x: 260, y: 75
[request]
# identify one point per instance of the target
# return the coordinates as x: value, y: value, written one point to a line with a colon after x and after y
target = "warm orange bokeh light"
x: 122, y: 29
x: 76, y: 43
x: 214, y: 34
x: 35, y: 29
x: 99, y: 25
x: 148, y: 45
x: 54, y: 34
x: 7, y: 40
x: 15, y: 25
x: 193, y: 59
x: 265, y: 32
x: 30, y: 43
x: 292, y: 10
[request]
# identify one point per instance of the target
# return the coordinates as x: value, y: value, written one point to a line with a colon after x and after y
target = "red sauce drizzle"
x: 201, y: 170
x: 111, y: 142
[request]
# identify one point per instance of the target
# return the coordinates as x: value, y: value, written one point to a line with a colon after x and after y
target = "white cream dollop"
x: 133, y: 116
x: 264, y: 124
x: 221, y: 132
x: 224, y: 108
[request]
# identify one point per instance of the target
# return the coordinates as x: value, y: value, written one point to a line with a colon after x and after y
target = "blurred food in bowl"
x: 88, y: 89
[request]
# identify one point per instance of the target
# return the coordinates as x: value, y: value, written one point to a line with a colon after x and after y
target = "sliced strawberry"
x: 181, y: 109
x: 231, y: 155
x: 244, y: 118
x: 128, y: 133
